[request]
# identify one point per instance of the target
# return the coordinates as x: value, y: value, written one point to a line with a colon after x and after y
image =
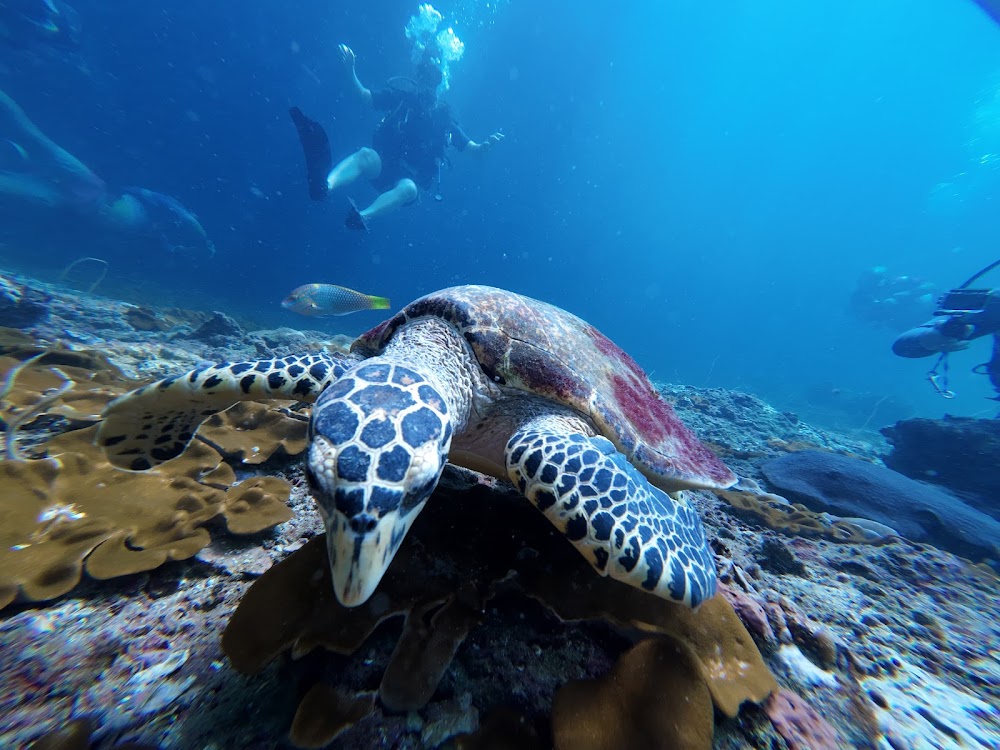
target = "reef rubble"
x: 848, y: 634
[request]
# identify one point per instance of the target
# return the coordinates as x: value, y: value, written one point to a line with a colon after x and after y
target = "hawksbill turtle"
x: 490, y: 380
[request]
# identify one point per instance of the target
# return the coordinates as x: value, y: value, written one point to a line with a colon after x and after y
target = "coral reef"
x: 507, y: 639
x: 21, y: 306
x: 74, y: 511
x: 799, y: 724
x: 827, y: 482
x: 959, y: 453
x: 445, y: 577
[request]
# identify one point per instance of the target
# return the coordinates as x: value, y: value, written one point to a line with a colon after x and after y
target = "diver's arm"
x: 927, y: 339
x: 347, y: 58
x: 949, y: 333
x: 486, y: 145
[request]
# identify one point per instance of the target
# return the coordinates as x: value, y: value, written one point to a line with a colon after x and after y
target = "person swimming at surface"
x: 37, y: 170
x: 408, y: 147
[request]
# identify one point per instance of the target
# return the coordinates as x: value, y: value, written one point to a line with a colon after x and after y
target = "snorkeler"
x: 963, y: 315
x: 35, y: 169
x: 408, y: 147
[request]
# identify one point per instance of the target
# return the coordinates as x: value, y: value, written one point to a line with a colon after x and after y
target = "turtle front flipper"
x: 155, y: 423
x: 624, y: 526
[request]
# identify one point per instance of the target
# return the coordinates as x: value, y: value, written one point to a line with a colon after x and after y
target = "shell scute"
x: 536, y: 347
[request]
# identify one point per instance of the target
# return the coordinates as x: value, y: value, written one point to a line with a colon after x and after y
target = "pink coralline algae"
x: 799, y: 724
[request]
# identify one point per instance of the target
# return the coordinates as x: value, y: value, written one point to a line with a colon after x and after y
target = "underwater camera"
x: 962, y: 300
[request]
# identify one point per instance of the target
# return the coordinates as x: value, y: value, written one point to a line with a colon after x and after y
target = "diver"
x: 35, y: 169
x: 963, y: 315
x: 885, y: 299
x: 408, y: 148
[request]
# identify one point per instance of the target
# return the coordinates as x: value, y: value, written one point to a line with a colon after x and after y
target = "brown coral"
x: 325, y: 713
x: 729, y: 660
x: 654, y: 698
x: 73, y: 510
x: 442, y: 576
x: 253, y: 432
x: 94, y: 384
x: 794, y: 518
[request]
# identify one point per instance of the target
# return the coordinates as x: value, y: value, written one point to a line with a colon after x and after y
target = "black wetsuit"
x: 412, y: 137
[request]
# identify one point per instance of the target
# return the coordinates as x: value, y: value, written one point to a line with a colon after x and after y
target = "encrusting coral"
x: 458, y: 556
x: 797, y: 519
x: 66, y: 509
x: 252, y: 432
x: 74, y: 511
x: 654, y: 697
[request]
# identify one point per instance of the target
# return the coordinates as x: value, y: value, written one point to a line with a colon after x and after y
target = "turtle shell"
x: 539, y: 348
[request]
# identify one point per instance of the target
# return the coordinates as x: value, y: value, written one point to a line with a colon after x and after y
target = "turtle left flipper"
x: 623, y: 525
x: 155, y: 423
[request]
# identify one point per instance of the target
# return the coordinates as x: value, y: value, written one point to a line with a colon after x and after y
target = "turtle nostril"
x: 362, y: 523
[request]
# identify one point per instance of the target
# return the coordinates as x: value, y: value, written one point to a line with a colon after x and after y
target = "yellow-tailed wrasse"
x: 330, y: 299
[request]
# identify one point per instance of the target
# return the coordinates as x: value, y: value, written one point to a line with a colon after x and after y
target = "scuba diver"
x: 963, y: 315
x: 408, y: 147
x: 885, y: 299
x: 36, y: 170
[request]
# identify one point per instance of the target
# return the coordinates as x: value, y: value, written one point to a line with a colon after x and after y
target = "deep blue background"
x: 702, y: 181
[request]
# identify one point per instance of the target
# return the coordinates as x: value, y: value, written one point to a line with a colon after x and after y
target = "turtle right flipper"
x: 623, y: 525
x: 155, y: 423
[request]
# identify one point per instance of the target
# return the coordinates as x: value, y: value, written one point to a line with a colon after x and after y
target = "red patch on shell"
x: 655, y: 421
x: 610, y: 349
x: 653, y: 418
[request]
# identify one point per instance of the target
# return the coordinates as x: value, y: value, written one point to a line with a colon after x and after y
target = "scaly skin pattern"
x: 155, y: 423
x: 379, y: 439
x: 517, y: 387
x: 624, y: 526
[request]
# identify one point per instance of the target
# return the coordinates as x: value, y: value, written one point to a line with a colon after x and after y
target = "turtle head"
x: 378, y: 441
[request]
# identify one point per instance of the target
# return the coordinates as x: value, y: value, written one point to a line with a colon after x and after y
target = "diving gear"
x: 316, y: 149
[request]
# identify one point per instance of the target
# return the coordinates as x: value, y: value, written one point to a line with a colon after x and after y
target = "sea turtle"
x: 490, y: 380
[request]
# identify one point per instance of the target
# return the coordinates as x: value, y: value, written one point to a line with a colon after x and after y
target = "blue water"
x: 705, y: 182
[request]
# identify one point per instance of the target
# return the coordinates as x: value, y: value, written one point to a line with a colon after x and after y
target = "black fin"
x: 354, y: 218
x: 316, y: 148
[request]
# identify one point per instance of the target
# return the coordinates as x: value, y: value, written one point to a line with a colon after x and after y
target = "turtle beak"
x: 359, y: 558
x: 366, y: 521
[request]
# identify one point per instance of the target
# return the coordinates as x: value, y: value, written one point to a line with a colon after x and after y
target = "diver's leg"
x: 405, y: 192
x: 365, y: 162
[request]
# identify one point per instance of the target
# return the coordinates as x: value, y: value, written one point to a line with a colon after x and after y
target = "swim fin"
x: 354, y: 218
x: 316, y: 148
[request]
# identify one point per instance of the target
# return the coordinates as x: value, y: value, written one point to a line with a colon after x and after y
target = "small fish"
x: 330, y: 299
